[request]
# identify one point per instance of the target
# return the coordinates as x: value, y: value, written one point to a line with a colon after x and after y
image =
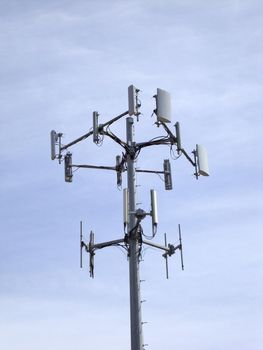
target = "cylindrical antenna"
x: 125, y: 207
x: 154, y: 211
x: 53, y: 139
x: 178, y: 136
x: 181, y: 246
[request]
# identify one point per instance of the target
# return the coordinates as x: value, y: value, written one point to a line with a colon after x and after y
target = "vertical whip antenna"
x: 166, y: 258
x: 91, y: 254
x: 81, y: 242
x: 181, y: 246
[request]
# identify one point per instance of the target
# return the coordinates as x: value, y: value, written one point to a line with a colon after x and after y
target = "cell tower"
x: 133, y: 238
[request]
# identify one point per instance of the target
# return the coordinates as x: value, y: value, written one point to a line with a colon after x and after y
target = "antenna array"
x: 133, y: 237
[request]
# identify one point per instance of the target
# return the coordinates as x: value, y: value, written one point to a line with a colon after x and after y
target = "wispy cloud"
x: 60, y: 61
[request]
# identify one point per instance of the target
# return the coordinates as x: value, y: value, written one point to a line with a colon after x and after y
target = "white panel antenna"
x: 154, y: 211
x: 53, y: 139
x: 163, y: 106
x: 95, y: 127
x: 125, y: 207
x: 202, y: 160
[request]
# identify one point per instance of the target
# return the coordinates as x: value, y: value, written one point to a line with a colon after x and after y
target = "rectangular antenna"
x: 68, y: 167
x: 167, y: 175
x: 163, y: 106
x: 202, y: 160
x: 154, y: 211
x: 125, y: 207
x: 95, y: 127
x: 53, y: 139
x: 133, y: 100
x: 119, y: 171
x: 178, y: 136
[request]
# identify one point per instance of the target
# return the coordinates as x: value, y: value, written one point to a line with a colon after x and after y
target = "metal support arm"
x: 90, y: 248
x: 113, y: 120
x: 107, y: 244
x: 155, y: 245
x: 163, y: 141
x: 188, y: 157
x: 83, y: 137
x: 173, y: 138
x: 116, y: 139
x: 94, y: 166
x: 149, y: 171
x: 170, y: 249
x: 101, y: 126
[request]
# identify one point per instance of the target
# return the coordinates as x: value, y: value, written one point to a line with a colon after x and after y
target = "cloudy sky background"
x: 59, y: 61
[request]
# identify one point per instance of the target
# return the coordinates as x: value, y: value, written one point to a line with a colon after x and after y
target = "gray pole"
x: 135, y: 298
x: 132, y: 241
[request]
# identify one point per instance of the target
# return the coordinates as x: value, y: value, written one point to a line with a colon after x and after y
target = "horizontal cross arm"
x: 150, y: 171
x: 93, y: 166
x: 107, y: 244
x: 155, y: 245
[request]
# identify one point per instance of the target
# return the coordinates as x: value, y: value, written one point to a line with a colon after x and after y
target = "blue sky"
x: 60, y: 60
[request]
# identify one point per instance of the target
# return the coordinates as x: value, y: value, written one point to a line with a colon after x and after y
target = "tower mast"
x: 133, y: 239
x: 135, y: 297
